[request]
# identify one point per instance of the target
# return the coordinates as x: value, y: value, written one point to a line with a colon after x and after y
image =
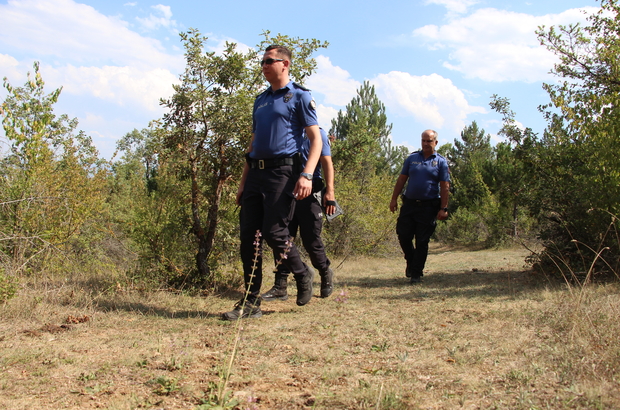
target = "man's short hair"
x: 282, y: 51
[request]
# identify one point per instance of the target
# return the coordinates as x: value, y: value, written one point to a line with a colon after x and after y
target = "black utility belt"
x: 269, y: 163
x: 420, y: 201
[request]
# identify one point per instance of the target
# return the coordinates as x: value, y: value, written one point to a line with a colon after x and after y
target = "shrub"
x: 8, y: 286
x: 486, y: 224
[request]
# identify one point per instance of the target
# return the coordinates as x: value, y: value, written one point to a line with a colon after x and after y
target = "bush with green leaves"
x: 464, y: 227
x: 367, y: 226
x: 576, y: 174
x: 51, y: 180
x: 485, y: 224
x: 8, y: 286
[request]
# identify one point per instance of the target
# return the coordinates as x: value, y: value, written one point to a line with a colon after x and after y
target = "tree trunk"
x: 515, y: 209
x: 212, y: 216
x: 203, y: 248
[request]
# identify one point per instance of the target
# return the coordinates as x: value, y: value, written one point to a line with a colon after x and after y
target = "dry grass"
x: 480, y: 332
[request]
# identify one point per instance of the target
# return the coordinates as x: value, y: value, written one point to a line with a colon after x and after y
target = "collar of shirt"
x: 285, y: 88
x: 421, y: 154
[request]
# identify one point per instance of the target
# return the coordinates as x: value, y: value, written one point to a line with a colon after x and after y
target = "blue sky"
x: 434, y: 63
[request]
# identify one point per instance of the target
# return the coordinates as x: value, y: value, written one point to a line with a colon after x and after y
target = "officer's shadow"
x: 470, y: 284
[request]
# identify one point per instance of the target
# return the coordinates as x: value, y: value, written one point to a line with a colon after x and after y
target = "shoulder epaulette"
x: 301, y: 86
x: 263, y: 92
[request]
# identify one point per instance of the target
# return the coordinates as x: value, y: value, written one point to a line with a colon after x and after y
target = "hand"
x: 239, y: 195
x: 303, y: 188
x: 393, y: 205
x: 329, y: 196
x: 442, y: 215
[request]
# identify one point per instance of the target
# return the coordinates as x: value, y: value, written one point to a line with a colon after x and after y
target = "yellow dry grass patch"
x: 480, y: 332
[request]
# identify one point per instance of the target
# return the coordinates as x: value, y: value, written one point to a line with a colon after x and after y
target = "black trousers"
x: 267, y: 205
x: 308, y: 219
x: 416, y: 221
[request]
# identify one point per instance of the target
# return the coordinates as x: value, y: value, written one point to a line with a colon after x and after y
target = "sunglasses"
x: 270, y: 61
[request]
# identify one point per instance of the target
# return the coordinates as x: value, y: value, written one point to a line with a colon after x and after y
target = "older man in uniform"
x: 424, y: 201
x: 309, y: 219
x: 271, y: 180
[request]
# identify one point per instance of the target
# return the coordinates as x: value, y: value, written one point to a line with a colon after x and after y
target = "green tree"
x: 513, y: 167
x: 51, y: 181
x: 469, y: 159
x: 146, y: 204
x: 362, y: 134
x: 578, y: 155
x: 488, y: 186
x: 365, y: 163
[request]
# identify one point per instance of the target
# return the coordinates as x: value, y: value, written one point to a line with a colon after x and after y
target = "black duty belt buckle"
x: 261, y: 164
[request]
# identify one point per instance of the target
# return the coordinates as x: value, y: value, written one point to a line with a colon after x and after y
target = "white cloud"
x: 87, y: 52
x: 92, y: 120
x: 454, y: 6
x: 163, y: 18
x: 429, y: 99
x: 333, y: 82
x: 102, y: 65
x: 497, y: 45
x: 326, y: 115
x: 9, y: 67
x: 217, y: 44
x: 67, y: 30
x: 124, y: 86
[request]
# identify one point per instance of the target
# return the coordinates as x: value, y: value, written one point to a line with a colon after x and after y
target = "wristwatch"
x: 307, y: 175
x: 445, y: 209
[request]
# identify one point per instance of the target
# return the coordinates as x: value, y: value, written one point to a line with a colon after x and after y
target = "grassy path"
x: 480, y: 332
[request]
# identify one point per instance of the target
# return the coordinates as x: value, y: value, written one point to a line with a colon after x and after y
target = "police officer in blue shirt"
x: 271, y: 181
x: 424, y: 201
x: 308, y: 218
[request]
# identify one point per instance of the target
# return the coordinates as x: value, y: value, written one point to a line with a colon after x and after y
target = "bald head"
x: 429, y: 142
x: 429, y: 134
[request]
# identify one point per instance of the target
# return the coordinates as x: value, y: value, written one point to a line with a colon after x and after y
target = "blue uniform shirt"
x: 279, y: 119
x: 424, y: 175
x: 326, y: 151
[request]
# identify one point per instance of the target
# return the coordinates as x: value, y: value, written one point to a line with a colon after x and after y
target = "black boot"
x: 304, y: 287
x: 409, y: 269
x: 327, y: 283
x: 278, y: 291
x: 242, y: 310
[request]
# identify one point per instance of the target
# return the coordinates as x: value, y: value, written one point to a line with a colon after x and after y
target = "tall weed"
x: 579, y: 262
